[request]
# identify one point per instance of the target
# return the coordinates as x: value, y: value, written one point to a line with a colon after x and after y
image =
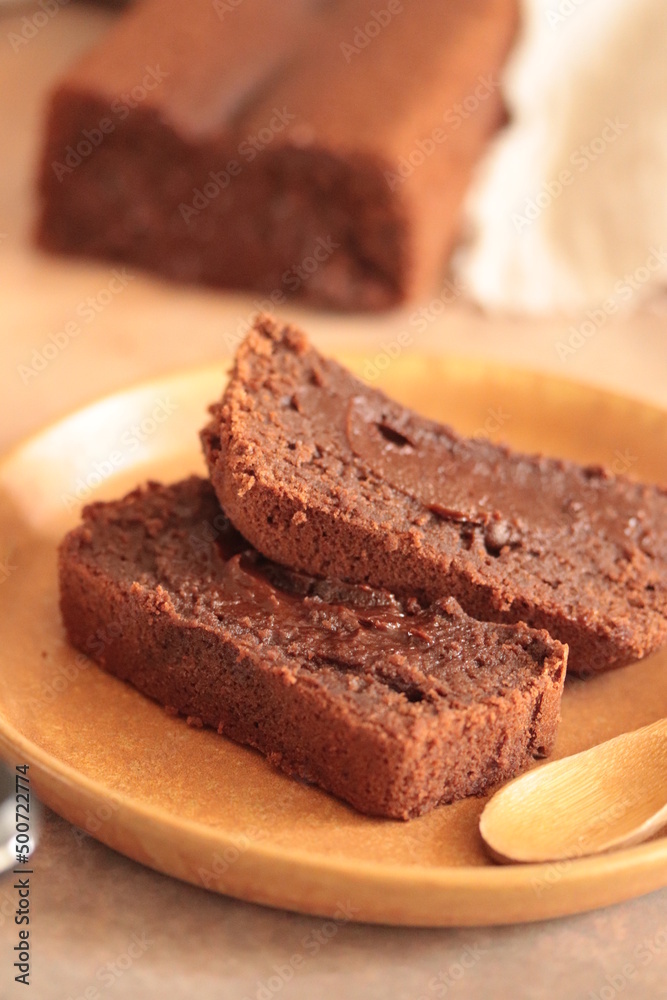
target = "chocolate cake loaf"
x: 391, y: 706
x: 295, y: 147
x: 321, y: 472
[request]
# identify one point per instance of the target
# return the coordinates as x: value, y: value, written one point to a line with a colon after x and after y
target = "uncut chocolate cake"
x: 319, y: 149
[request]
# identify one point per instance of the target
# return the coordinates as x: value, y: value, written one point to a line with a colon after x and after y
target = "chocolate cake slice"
x: 296, y: 147
x: 321, y: 472
x: 391, y: 706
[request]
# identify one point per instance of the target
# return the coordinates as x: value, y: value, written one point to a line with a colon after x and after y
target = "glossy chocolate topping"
x: 423, y: 652
x: 513, y: 499
x: 328, y: 475
x: 391, y: 706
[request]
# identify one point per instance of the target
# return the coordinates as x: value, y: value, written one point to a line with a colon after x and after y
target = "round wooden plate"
x: 194, y: 805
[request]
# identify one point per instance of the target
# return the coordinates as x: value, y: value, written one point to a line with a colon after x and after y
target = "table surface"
x: 90, y: 904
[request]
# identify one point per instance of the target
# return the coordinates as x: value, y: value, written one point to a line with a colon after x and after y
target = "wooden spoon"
x: 611, y: 796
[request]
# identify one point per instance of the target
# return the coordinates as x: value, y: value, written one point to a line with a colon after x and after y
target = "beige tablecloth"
x: 103, y: 923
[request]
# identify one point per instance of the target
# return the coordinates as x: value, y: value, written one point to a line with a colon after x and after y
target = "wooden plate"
x: 192, y: 804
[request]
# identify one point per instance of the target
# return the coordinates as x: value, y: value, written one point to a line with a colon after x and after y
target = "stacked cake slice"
x: 392, y: 621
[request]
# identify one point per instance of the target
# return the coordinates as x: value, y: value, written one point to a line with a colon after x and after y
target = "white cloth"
x: 570, y: 206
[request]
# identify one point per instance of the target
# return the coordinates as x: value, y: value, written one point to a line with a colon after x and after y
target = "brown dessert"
x: 293, y: 147
x: 391, y: 706
x: 321, y: 472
